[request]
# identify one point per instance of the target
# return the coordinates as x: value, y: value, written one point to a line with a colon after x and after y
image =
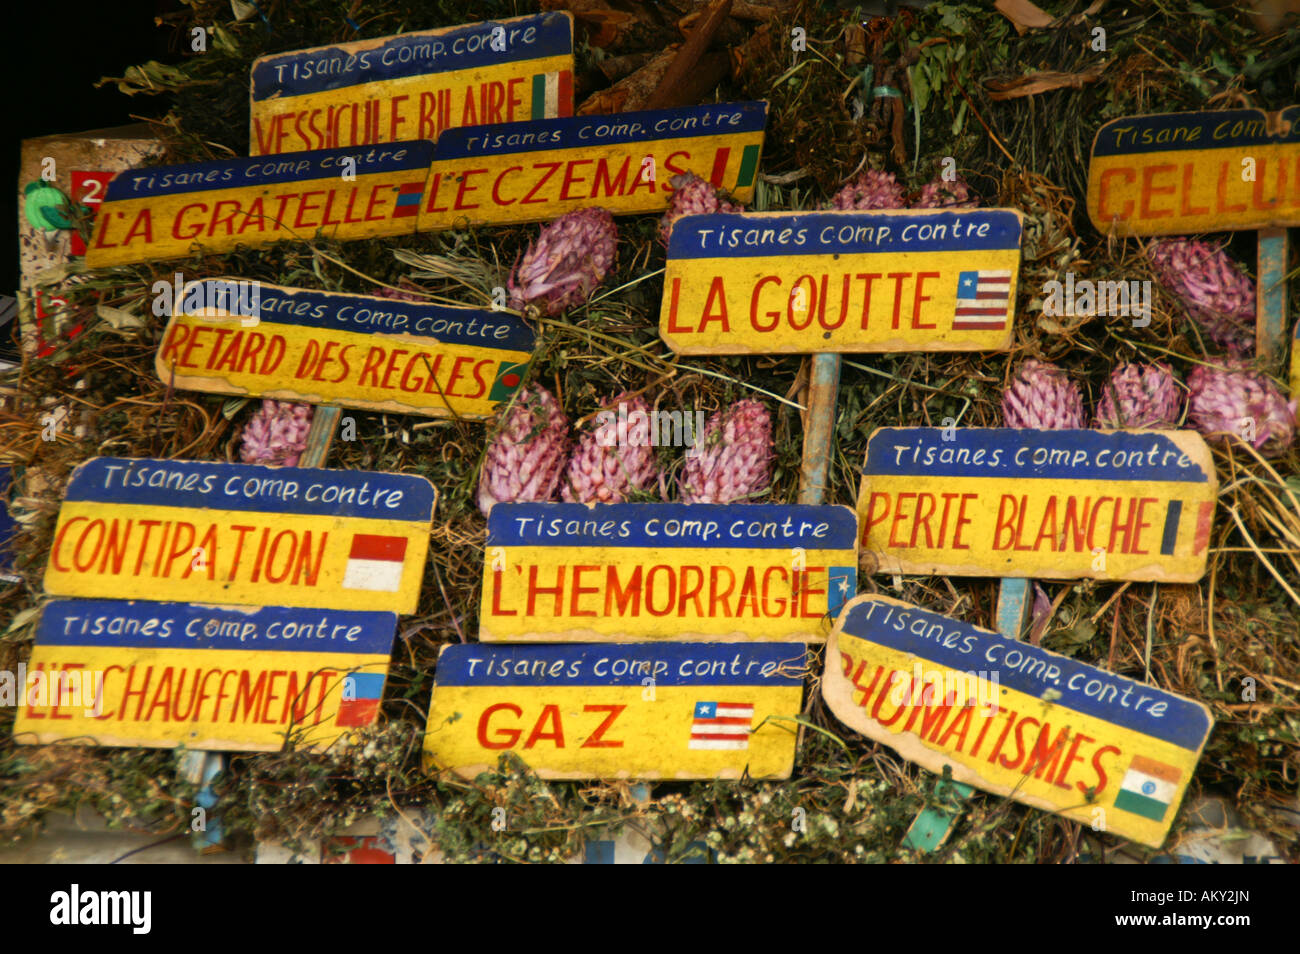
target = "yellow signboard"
x: 558, y: 572
x: 347, y: 193
x: 500, y: 174
x: 975, y: 501
x: 235, y: 533
x: 782, y: 282
x: 1013, y: 719
x: 412, y: 86
x: 240, y: 337
x: 638, y: 710
x: 525, y: 172
x: 1295, y: 367
x: 112, y: 672
x: 1176, y: 173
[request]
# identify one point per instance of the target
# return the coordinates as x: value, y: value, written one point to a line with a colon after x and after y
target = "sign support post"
x: 933, y: 825
x: 1271, y: 297
x: 819, y: 432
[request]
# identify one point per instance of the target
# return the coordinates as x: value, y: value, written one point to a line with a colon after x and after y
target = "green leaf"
x: 151, y: 78
x: 920, y: 90
x: 22, y: 619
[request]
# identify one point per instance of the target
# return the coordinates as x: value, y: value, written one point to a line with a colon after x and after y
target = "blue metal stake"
x: 1271, y: 297
x: 932, y: 827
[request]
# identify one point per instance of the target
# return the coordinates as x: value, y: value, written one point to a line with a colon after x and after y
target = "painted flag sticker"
x: 360, y: 703
x: 375, y: 563
x: 721, y: 725
x: 1149, y: 788
x: 982, y: 299
x: 552, y: 95
x: 408, y: 199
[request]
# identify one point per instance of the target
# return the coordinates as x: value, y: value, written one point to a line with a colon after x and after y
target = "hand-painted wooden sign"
x: 412, y: 86
x: 8, y: 529
x: 239, y: 337
x: 236, y: 533
x: 63, y: 175
x: 348, y: 193
x: 640, y: 710
x: 780, y: 282
x: 1175, y: 173
x: 113, y: 672
x: 525, y: 172
x: 1013, y: 719
x: 558, y: 572
x: 1295, y: 367
x: 975, y: 501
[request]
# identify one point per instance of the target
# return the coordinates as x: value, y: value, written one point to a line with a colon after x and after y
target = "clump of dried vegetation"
x: 958, y: 67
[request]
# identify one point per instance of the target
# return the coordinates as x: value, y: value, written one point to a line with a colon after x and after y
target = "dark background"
x: 54, y: 54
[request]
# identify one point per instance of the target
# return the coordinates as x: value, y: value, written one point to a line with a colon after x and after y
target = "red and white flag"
x: 375, y: 563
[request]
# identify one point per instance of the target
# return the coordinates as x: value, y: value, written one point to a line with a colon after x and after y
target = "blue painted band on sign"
x: 1028, y: 454
x: 363, y: 314
x: 141, y: 624
x: 1028, y: 669
x: 8, y: 526
x: 843, y: 233
x: 209, y: 486
x: 628, y: 664
x: 1169, y: 537
x: 269, y: 170
x: 574, y: 132
x: 1176, y: 132
x: 727, y: 526
x: 411, y: 54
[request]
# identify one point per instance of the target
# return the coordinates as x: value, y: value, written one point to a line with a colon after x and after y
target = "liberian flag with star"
x: 982, y: 299
x: 721, y: 725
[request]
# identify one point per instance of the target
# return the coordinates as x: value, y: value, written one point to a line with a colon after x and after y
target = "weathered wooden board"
x: 561, y: 572
x: 349, y: 350
x: 1176, y: 173
x: 538, y: 170
x: 412, y: 86
x: 1295, y: 367
x: 347, y: 193
x: 242, y: 534
x: 781, y: 282
x: 975, y: 501
x: 641, y: 710
x: 114, y: 672
x: 1014, y: 719
x: 64, y: 177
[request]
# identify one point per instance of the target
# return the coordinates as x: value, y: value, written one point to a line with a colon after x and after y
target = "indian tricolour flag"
x: 1148, y: 788
x: 552, y: 95
x: 375, y: 563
